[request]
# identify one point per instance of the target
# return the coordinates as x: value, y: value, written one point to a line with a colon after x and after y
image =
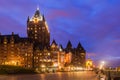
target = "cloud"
x: 10, y: 25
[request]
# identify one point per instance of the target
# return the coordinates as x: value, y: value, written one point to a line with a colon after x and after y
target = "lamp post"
x: 102, y: 64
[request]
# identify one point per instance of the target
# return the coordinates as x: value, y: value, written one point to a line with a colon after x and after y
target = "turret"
x: 80, y: 48
x: 37, y: 30
x: 69, y: 47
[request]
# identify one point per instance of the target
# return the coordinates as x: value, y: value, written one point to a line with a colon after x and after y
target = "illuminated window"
x: 36, y: 60
x: 40, y: 53
x: 45, y: 60
x: 29, y: 65
x: 35, y: 37
x: 49, y: 60
x: 12, y: 45
x: 28, y: 54
x: 25, y: 54
x: 28, y: 28
x: 48, y: 54
x: 5, y: 42
x: 35, y: 31
x: 43, y: 28
x: 35, y: 20
x: 35, y: 57
x: 82, y: 53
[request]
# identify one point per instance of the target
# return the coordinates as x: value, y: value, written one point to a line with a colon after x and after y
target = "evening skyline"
x: 93, y: 23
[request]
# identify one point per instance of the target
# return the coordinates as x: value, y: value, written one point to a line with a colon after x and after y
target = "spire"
x: 43, y: 18
x: 28, y: 19
x: 79, y: 45
x: 80, y: 48
x: 61, y: 46
x: 37, y: 12
x: 38, y: 7
x: 69, y: 45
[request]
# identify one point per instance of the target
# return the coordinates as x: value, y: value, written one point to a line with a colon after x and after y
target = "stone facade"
x: 35, y: 51
x: 15, y: 51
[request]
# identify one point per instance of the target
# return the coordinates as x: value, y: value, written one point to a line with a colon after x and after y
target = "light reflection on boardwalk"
x: 82, y: 75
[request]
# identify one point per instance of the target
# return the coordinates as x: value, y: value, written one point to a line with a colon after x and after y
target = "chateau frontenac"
x: 35, y: 50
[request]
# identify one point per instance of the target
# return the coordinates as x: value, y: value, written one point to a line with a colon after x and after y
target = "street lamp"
x: 102, y: 64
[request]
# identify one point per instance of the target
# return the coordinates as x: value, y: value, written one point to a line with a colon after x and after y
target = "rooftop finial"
x: 37, y: 7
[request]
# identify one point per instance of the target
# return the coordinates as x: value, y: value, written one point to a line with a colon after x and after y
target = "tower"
x: 37, y: 30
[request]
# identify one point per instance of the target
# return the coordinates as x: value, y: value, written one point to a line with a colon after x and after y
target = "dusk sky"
x: 94, y: 23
